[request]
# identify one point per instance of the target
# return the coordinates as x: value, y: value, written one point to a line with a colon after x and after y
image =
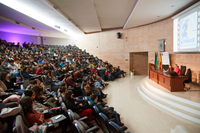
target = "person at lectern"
x: 170, y: 68
x: 176, y: 69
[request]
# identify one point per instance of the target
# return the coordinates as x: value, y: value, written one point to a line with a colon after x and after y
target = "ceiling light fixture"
x: 57, y: 26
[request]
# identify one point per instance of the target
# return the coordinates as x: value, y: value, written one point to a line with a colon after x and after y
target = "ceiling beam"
x: 96, y: 13
x: 22, y: 24
x: 134, y: 7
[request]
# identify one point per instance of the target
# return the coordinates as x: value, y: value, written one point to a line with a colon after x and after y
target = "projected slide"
x: 188, y: 32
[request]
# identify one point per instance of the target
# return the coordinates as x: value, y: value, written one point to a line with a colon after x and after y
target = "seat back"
x: 20, y: 73
x: 183, y: 69
x: 104, y: 122
x: 20, y: 126
x: 60, y: 99
x: 54, y: 73
x: 63, y: 106
x: 189, y: 74
x: 114, y: 128
x: 77, y: 127
x: 26, y: 83
x: 23, y: 117
x: 72, y: 115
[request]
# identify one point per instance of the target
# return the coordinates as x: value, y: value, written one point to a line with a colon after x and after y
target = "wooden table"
x: 172, y: 83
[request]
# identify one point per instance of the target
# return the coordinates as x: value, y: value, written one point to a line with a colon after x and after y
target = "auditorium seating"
x: 75, y: 124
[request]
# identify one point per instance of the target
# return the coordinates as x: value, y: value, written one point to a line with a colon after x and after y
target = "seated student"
x: 93, y: 69
x: 8, y: 83
x: 42, y: 97
x: 39, y: 69
x: 63, y: 91
x: 36, y: 105
x: 62, y: 64
x: 121, y: 71
x: 25, y: 73
x: 49, y: 80
x: 13, y: 68
x: 108, y: 75
x: 176, y: 69
x: 40, y: 61
x: 170, y: 68
x: 70, y: 82
x: 23, y: 63
x: 17, y: 63
x: 3, y: 68
x: 86, y: 71
x: 32, y: 115
x: 59, y: 71
x: 108, y: 111
x: 71, y: 104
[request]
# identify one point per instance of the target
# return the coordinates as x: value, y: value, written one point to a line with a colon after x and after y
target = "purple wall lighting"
x: 13, y: 37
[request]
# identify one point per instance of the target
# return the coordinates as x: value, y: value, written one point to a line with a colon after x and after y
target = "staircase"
x: 182, y: 107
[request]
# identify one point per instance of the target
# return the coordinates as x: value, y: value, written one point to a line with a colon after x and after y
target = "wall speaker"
x: 118, y: 35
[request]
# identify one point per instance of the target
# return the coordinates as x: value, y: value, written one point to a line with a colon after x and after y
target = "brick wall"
x: 106, y: 46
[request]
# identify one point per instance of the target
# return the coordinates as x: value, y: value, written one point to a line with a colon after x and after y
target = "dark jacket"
x: 4, y: 69
x: 71, y: 105
x: 26, y: 75
x: 99, y: 106
x: 48, y: 81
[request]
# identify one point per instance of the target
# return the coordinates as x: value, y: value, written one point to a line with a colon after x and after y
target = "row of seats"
x: 75, y: 124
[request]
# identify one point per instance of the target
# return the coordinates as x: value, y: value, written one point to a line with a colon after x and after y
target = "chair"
x: 183, y: 69
x: 114, y: 128
x: 77, y: 127
x: 20, y: 125
x: 189, y: 75
x: 49, y: 87
x: 25, y: 81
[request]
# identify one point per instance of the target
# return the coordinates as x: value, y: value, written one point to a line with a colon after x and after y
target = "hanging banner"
x: 165, y: 58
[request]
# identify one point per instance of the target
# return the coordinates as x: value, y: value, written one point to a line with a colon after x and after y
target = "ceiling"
x: 77, y: 17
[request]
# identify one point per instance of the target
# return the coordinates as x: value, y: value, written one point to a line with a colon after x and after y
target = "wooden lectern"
x: 172, y: 83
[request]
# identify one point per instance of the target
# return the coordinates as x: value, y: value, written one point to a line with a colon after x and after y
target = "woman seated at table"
x: 25, y: 73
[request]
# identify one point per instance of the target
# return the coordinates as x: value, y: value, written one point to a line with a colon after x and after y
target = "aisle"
x: 139, y: 115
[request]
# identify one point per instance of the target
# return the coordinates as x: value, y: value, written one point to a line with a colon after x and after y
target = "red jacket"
x: 39, y: 71
x: 36, y: 117
x: 93, y: 70
x: 106, y: 73
x: 70, y: 82
x: 177, y: 70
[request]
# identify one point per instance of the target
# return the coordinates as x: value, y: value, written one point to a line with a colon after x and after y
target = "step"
x: 167, y: 106
x: 179, y: 104
x: 172, y: 96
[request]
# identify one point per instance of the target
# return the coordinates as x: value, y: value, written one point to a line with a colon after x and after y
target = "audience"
x: 66, y: 70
